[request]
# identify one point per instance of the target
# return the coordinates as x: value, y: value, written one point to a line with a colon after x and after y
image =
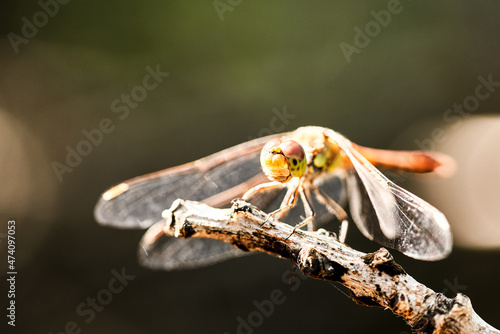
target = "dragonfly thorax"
x: 322, y: 161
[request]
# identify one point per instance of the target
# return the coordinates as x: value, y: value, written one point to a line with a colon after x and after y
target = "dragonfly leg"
x: 252, y: 192
x: 335, y: 209
x: 343, y: 231
x: 308, y: 208
x: 288, y: 201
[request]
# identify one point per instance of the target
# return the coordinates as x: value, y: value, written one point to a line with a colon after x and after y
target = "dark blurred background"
x: 233, y: 65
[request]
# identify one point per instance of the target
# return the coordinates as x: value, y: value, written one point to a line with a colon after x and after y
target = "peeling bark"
x: 373, y: 279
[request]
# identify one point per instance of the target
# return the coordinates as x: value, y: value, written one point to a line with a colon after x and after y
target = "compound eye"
x: 295, y: 157
x: 293, y: 149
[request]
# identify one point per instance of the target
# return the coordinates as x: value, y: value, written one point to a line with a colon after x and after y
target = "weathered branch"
x: 374, y: 279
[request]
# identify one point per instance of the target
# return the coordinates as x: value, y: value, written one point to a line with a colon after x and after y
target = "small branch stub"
x: 373, y: 279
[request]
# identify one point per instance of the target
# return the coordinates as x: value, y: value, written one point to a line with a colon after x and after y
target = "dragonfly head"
x: 283, y: 159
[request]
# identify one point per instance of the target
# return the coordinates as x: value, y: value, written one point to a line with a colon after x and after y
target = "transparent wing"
x: 159, y: 251
x: 390, y: 215
x: 216, y: 180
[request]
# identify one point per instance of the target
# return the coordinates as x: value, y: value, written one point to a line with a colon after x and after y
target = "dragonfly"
x: 312, y: 165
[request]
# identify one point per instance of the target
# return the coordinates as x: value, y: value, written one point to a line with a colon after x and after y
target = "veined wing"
x: 159, y: 251
x: 216, y: 180
x: 390, y: 215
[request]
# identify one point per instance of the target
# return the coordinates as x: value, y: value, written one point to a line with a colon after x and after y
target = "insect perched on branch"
x: 314, y: 164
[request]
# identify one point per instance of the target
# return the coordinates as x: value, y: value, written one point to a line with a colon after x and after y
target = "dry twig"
x: 373, y: 279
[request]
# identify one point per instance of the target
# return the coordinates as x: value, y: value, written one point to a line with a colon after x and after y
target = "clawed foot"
x: 266, y: 220
x: 293, y: 231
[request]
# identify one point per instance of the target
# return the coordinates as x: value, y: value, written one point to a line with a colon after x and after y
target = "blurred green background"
x: 228, y: 74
